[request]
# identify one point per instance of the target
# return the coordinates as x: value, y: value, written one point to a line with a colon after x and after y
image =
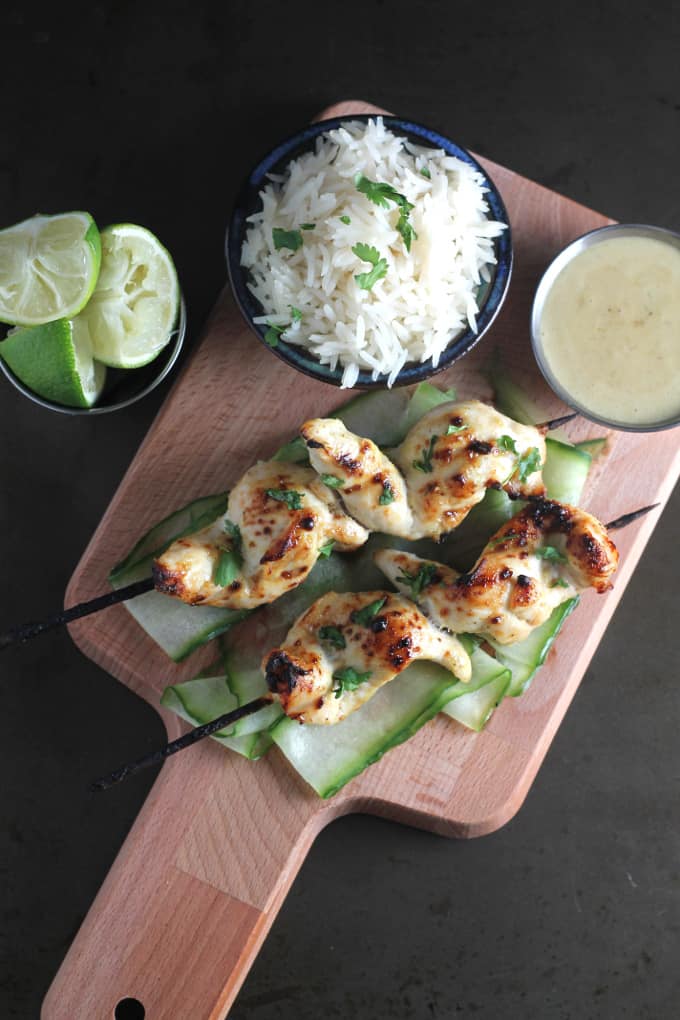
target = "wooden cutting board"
x: 208, y: 862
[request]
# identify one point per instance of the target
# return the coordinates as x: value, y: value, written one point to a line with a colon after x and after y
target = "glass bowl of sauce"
x: 605, y: 326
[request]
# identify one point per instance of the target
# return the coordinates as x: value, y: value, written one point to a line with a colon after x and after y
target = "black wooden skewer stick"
x: 31, y: 630
x: 207, y: 729
x: 626, y: 519
x: 192, y: 737
x: 554, y: 423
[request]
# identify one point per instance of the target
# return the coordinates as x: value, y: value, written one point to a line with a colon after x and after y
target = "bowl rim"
x: 180, y: 330
x: 563, y: 257
x: 299, y: 357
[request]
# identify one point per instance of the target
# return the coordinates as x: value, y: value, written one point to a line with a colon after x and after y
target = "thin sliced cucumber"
x: 525, y: 657
x: 195, y: 515
x: 179, y: 629
x: 595, y: 447
x: 327, y: 757
x: 467, y: 541
x: 511, y: 399
x: 184, y: 698
x: 565, y: 471
x: 488, y: 685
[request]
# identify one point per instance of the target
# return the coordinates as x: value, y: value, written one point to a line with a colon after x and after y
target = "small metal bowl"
x: 490, y: 297
x: 562, y: 259
x: 123, y: 386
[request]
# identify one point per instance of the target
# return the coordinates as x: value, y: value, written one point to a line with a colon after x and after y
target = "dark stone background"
x: 152, y: 114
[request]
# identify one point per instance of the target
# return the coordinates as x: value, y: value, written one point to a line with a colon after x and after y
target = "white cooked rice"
x: 428, y: 295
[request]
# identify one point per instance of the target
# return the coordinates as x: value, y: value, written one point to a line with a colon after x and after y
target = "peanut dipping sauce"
x: 609, y: 330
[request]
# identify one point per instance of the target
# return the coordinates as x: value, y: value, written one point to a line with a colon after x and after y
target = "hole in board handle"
x: 129, y: 1009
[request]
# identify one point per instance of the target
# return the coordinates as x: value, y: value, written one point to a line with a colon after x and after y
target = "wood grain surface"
x: 208, y: 862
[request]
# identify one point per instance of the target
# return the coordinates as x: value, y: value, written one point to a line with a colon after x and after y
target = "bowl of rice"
x: 369, y: 251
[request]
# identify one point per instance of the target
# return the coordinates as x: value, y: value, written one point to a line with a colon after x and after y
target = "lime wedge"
x: 135, y: 304
x: 48, y: 268
x: 55, y: 361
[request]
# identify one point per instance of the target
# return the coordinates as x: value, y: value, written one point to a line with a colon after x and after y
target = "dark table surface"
x: 153, y: 114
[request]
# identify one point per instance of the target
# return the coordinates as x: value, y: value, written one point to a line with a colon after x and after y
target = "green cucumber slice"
x: 327, y: 757
x: 197, y: 694
x: 525, y: 657
x: 595, y: 447
x: 565, y: 471
x: 488, y: 685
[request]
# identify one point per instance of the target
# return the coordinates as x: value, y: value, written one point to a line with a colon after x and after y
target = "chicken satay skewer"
x: 26, y: 631
x: 277, y: 666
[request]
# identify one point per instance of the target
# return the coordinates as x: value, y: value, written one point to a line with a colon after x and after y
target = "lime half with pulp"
x: 133, y: 310
x: 48, y: 268
x: 55, y: 361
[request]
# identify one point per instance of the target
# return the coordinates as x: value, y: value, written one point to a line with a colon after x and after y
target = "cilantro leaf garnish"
x: 528, y: 462
x: 234, y: 533
x: 348, y: 680
x: 550, y: 553
x: 382, y: 194
x: 364, y: 616
x: 422, y: 579
x: 326, y: 549
x: 426, y: 173
x: 332, y: 482
x: 452, y: 429
x: 290, y: 497
x: 333, y: 635
x: 291, y: 239
x: 496, y: 540
x: 346, y: 220
x: 367, y: 253
x: 506, y: 443
x: 273, y: 333
x: 559, y: 582
x: 307, y: 226
x: 425, y: 465
x: 295, y: 313
x: 387, y: 494
x: 227, y: 568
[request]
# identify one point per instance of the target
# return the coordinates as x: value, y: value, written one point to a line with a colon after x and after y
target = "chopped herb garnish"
x: 367, y: 253
x: 382, y: 194
x: 333, y: 635
x: 452, y: 429
x: 496, y: 540
x: 348, y: 680
x: 529, y: 462
x: 295, y: 313
x: 332, y: 482
x: 387, y: 495
x: 559, y: 582
x: 326, y: 549
x: 550, y: 553
x: 272, y: 335
x: 346, y: 220
x: 416, y: 582
x: 425, y: 464
x: 227, y: 568
x: 364, y: 616
x: 290, y: 497
x: 286, y: 239
x: 307, y: 226
x: 426, y: 173
x: 506, y: 443
x: 234, y: 533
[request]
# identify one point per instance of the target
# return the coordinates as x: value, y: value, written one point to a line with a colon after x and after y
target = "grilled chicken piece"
x: 345, y: 647
x: 284, y: 515
x: 459, y: 450
x: 543, y: 556
x: 370, y: 486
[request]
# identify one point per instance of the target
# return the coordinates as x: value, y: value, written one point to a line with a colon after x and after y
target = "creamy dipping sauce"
x: 610, y: 330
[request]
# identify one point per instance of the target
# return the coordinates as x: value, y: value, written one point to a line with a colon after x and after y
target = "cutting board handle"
x: 172, y: 927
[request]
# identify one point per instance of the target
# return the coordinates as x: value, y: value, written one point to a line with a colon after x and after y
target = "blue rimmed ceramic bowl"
x: 490, y: 297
